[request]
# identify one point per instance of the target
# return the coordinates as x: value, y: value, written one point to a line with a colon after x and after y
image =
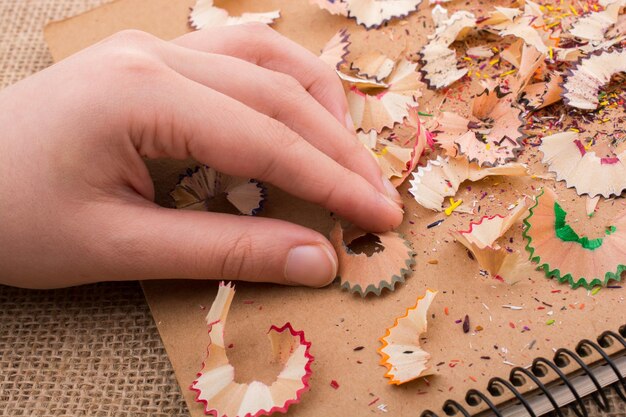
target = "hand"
x: 76, y: 199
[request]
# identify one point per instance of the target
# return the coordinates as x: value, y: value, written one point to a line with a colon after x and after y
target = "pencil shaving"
x: 441, y: 178
x: 566, y: 156
x: 216, y: 387
x: 481, y: 240
x: 492, y: 135
x: 199, y: 187
x: 373, y: 13
x: 389, y: 261
x: 204, y: 15
x: 397, y: 160
x: 439, y: 61
x: 373, y: 65
x: 582, y: 84
x: 336, y: 49
x: 580, y: 261
x: 401, y: 352
x: 377, y: 108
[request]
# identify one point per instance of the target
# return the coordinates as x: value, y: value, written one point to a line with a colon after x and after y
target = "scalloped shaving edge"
x: 362, y: 274
x: 395, y: 161
x: 542, y: 94
x: 480, y: 239
x: 390, y: 106
x: 204, y: 15
x: 373, y: 65
x: 373, y: 13
x: 585, y: 171
x: 441, y: 178
x: 500, y: 142
x: 509, y: 21
x: 401, y: 352
x: 204, y: 183
x: 439, y: 62
x: 336, y: 49
x: 583, y: 82
x: 334, y: 7
x: 593, y: 26
x: 215, y: 386
x: 569, y: 261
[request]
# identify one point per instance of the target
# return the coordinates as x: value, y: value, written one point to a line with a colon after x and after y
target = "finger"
x: 202, y: 245
x: 281, y: 97
x: 261, y: 45
x: 183, y: 116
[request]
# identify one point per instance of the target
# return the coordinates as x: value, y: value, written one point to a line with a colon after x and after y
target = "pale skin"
x: 77, y: 200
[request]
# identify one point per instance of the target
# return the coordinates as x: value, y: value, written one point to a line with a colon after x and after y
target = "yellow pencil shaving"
x: 453, y: 206
x: 504, y: 74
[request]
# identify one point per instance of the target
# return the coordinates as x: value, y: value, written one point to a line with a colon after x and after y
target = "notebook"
x: 343, y: 328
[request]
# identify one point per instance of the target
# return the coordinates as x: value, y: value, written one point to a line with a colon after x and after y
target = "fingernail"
x: 392, y: 204
x: 349, y: 122
x: 310, y: 265
x: 392, y: 192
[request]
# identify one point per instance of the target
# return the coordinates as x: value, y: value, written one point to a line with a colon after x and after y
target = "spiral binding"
x: 539, y: 369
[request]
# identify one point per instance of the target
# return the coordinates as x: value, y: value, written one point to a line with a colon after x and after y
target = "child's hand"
x: 76, y: 198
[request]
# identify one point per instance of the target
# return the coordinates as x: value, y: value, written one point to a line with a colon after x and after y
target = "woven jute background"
x: 85, y: 351
x: 92, y: 350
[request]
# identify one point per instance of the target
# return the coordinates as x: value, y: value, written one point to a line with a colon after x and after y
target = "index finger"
x: 261, y: 45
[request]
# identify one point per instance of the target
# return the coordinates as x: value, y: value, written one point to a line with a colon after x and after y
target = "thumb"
x: 189, y: 244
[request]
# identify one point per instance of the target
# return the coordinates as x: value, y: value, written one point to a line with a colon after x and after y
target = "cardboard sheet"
x: 337, y: 322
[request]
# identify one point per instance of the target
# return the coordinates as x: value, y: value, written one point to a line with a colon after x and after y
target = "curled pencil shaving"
x: 520, y: 24
x: 389, y: 261
x: 441, y: 178
x: 336, y: 49
x: 401, y: 352
x: 481, y: 240
x: 377, y: 108
x: 439, y: 61
x: 373, y: 13
x: 490, y: 136
x: 396, y: 160
x: 594, y: 25
x: 373, y: 65
x: 204, y: 15
x: 199, y: 187
x: 216, y: 387
x: 334, y: 7
x: 565, y: 255
x: 334, y: 54
x: 567, y: 157
x: 583, y: 82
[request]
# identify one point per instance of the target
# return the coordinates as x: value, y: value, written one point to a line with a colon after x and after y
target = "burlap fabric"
x: 91, y: 350
x: 85, y: 351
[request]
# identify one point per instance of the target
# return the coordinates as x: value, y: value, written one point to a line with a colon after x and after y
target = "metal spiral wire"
x: 539, y: 369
